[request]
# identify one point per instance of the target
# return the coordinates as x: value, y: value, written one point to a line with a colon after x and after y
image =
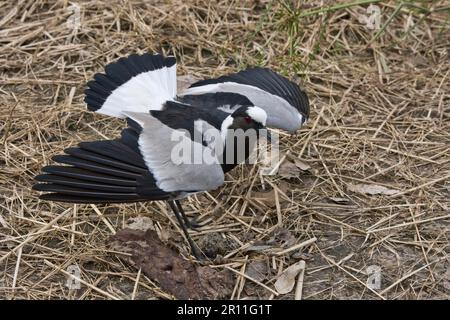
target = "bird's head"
x: 246, y: 118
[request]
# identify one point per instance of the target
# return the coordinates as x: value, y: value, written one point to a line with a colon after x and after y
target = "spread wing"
x: 173, y: 154
x: 137, y: 83
x: 286, y: 105
x: 105, y: 171
x: 139, y: 166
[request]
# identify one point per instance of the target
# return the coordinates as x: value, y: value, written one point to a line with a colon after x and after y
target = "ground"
x: 365, y: 182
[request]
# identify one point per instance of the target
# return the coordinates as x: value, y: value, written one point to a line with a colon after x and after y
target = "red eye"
x: 248, y: 119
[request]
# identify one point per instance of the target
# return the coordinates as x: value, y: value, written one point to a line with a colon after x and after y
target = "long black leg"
x: 195, y: 250
x: 191, y: 224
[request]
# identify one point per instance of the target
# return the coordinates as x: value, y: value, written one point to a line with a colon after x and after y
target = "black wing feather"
x: 269, y: 81
x: 119, y: 151
x: 94, y: 166
x: 181, y: 116
x: 81, y: 191
x: 82, y: 174
x: 70, y: 182
x: 104, y: 160
x: 107, y: 171
x: 212, y: 101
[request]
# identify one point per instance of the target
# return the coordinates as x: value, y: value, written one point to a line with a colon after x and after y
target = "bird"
x: 139, y: 165
x: 133, y: 83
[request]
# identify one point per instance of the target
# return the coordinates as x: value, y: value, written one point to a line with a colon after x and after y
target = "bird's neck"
x: 237, y: 149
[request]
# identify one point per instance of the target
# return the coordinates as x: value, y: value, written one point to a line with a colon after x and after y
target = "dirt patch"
x: 177, y: 276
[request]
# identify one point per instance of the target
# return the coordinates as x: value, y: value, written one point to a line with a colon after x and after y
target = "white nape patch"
x: 144, y: 92
x: 257, y: 114
x: 226, y: 108
x: 225, y: 126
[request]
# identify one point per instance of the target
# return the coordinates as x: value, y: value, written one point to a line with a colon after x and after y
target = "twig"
x: 32, y: 238
x: 301, y: 275
x: 253, y: 280
x: 406, y: 276
x: 107, y: 294
x: 297, y: 246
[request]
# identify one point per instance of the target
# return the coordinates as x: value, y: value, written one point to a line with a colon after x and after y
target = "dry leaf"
x: 267, y: 197
x: 292, y: 169
x: 371, y: 189
x: 302, y: 165
x: 282, y: 237
x: 288, y: 170
x: 286, y: 281
x: 144, y: 223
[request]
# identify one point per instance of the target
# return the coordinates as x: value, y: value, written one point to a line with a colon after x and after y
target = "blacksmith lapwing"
x: 146, y: 82
x: 140, y: 166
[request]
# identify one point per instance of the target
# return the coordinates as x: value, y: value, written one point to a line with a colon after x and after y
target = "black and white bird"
x: 140, y: 166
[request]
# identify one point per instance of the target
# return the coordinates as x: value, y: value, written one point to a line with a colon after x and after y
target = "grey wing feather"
x: 157, y: 143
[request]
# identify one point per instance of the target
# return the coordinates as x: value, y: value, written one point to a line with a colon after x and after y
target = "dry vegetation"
x: 380, y: 118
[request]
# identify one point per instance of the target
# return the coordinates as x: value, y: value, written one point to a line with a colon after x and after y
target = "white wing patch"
x: 144, y: 92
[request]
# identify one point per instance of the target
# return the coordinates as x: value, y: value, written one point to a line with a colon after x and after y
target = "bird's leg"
x: 190, y: 223
x: 195, y: 250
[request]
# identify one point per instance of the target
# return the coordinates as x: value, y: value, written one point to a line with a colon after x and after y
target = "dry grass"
x: 380, y: 116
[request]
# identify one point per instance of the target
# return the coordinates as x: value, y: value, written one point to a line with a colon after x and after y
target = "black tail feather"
x: 59, y: 197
